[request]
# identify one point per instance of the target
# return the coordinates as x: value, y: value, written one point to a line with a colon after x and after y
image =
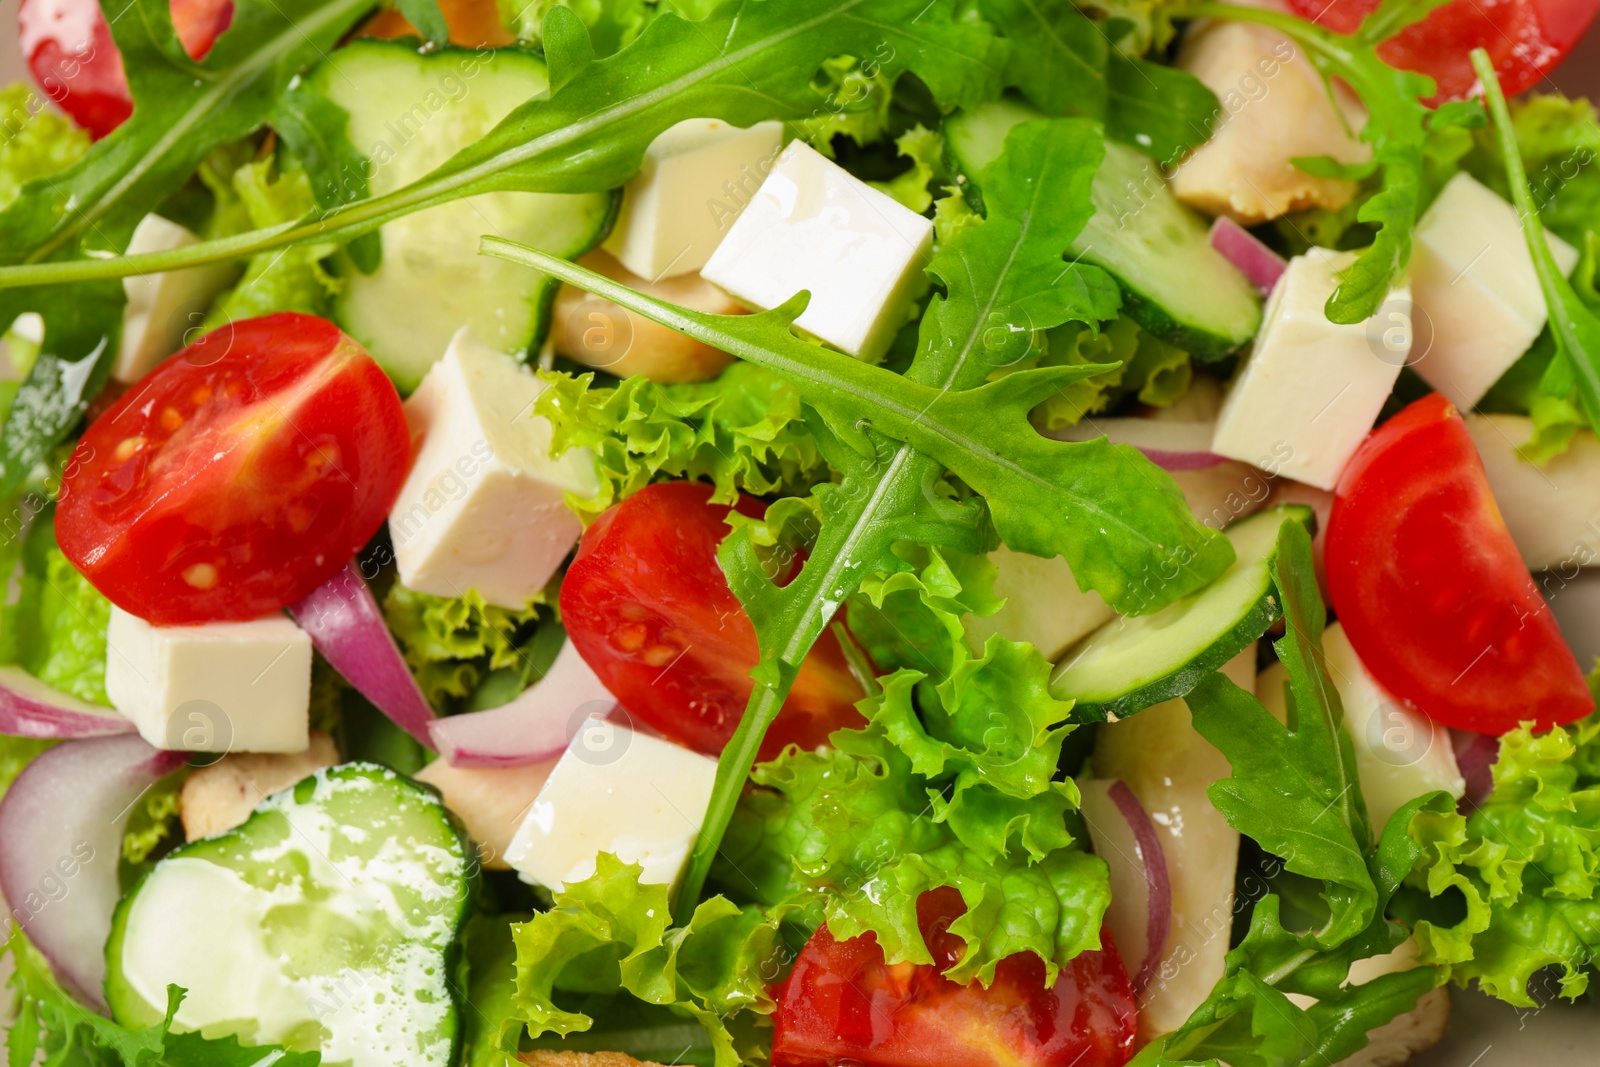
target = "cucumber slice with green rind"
x: 329, y: 921
x: 1173, y: 282
x: 1132, y: 663
x: 409, y: 112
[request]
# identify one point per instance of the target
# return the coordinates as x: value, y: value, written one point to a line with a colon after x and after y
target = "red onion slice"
x: 347, y: 627
x: 1475, y: 758
x: 1140, y: 915
x: 30, y: 708
x: 61, y: 826
x: 1258, y: 263
x: 534, y: 727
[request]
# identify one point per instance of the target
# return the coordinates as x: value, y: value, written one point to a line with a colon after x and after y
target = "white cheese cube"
x: 812, y: 225
x: 1400, y: 753
x: 696, y: 179
x: 1311, y: 389
x: 1552, y: 510
x: 163, y: 308
x: 484, y: 505
x: 1472, y: 275
x: 638, y: 797
x: 220, y: 687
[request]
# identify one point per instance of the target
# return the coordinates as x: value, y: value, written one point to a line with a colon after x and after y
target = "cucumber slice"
x: 329, y: 921
x: 1131, y: 663
x: 408, y: 113
x: 1174, y: 283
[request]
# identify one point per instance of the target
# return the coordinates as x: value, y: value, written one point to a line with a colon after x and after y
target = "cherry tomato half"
x: 238, y: 476
x: 843, y: 1004
x: 1431, y: 589
x: 647, y: 606
x: 1526, y: 39
x: 76, y: 63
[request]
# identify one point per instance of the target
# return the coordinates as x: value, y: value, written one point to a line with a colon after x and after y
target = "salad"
x: 889, y: 533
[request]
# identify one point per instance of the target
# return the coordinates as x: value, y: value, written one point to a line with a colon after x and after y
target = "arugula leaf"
x: 1397, y: 129
x: 1293, y: 789
x: 427, y: 18
x: 1573, y: 325
x: 1065, y: 64
x: 1121, y: 524
x: 315, y: 133
x: 611, y: 933
x: 748, y: 61
x: 182, y: 110
x: 1559, y: 143
x: 743, y: 432
x: 54, y: 1030
x: 1527, y: 864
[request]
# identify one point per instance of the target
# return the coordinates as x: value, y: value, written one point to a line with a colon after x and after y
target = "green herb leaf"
x: 427, y: 18
x: 1294, y: 787
x: 611, y: 933
x: 1575, y: 328
x: 1065, y: 64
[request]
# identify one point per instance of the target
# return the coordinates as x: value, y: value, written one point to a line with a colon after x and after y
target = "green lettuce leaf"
x: 742, y: 432
x: 611, y: 933
x: 55, y: 629
x: 1559, y: 142
x: 255, y: 194
x: 452, y: 643
x: 950, y: 784
x: 35, y: 140
x: 1527, y: 864
x: 1153, y: 371
x: 54, y: 1030
x: 15, y: 754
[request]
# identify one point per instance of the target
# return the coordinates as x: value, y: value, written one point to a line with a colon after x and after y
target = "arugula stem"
x: 1570, y: 319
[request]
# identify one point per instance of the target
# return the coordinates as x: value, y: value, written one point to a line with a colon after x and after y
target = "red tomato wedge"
x: 69, y: 48
x: 842, y: 1004
x: 238, y: 476
x: 1431, y: 590
x: 647, y: 606
x: 1525, y: 39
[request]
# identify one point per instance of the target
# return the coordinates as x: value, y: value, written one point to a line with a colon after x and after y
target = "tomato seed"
x: 201, y: 575
x: 129, y: 447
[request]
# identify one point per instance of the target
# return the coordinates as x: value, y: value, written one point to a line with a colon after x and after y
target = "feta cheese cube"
x: 1472, y: 276
x: 1311, y: 389
x: 1552, y: 510
x: 220, y: 687
x: 696, y: 179
x: 484, y: 505
x: 1400, y: 753
x: 162, y: 308
x: 812, y: 225
x: 638, y: 797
